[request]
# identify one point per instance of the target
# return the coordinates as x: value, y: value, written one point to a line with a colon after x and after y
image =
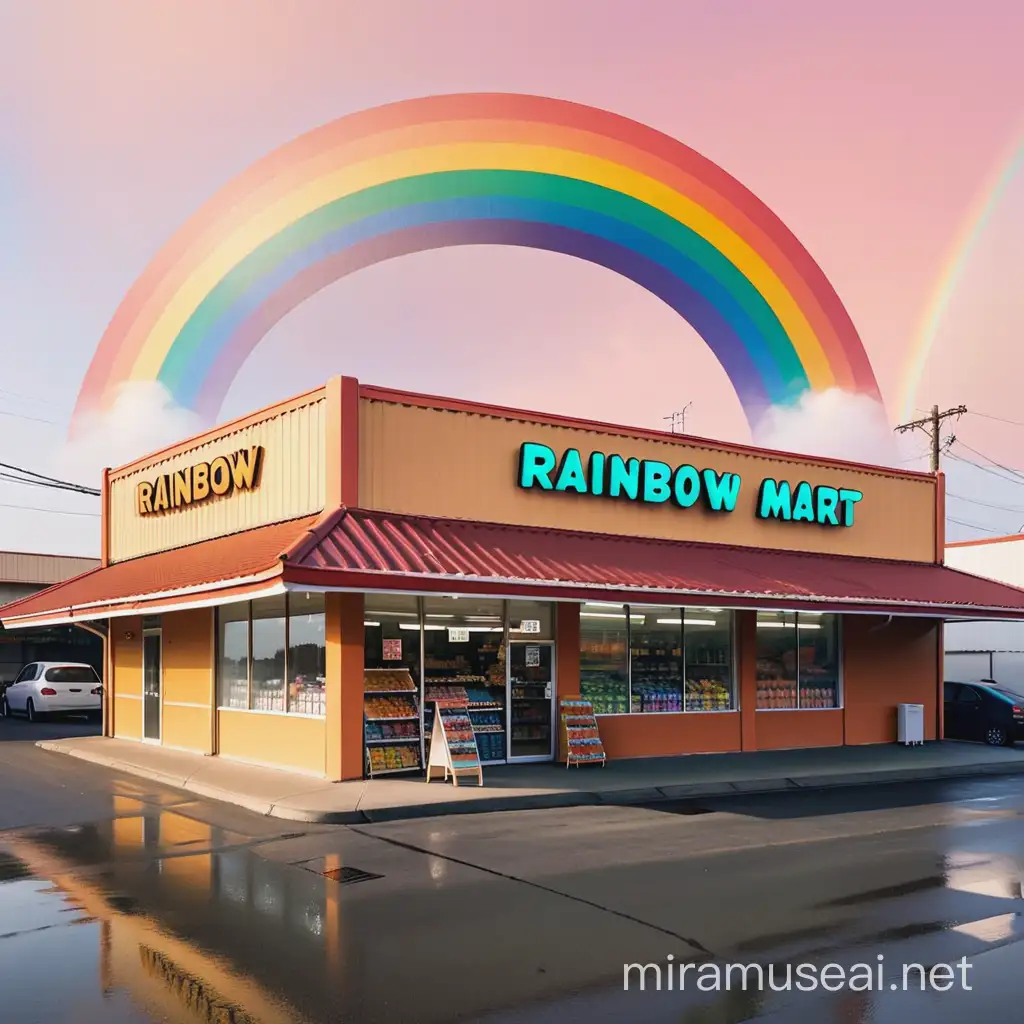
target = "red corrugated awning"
x: 228, y: 567
x: 361, y: 550
x: 378, y: 551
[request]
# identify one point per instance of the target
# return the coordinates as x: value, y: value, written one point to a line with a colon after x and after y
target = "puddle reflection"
x: 173, y: 921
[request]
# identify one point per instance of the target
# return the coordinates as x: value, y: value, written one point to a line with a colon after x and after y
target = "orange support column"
x: 344, y: 757
x: 746, y: 653
x: 567, y: 660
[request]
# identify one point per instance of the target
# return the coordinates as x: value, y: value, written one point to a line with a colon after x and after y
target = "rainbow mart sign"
x: 652, y: 482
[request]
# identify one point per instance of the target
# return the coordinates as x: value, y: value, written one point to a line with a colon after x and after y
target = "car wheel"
x: 995, y: 737
x: 30, y: 711
x: 5, y: 709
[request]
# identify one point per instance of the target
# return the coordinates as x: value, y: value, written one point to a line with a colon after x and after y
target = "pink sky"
x: 867, y: 128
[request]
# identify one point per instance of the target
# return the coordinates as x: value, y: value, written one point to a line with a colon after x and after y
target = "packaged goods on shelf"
x: 651, y: 695
x: 776, y: 695
x: 392, y: 730
x: 376, y: 680
x: 707, y: 695
x: 378, y: 706
x: 389, y: 759
x: 817, y: 697
x: 485, y: 720
x: 491, y: 745
x: 454, y: 694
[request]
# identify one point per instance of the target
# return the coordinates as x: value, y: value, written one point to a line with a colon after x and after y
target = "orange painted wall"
x: 281, y: 741
x: 345, y: 664
x: 398, y: 446
x: 665, y: 735
x: 188, y: 679
x: 882, y: 667
x: 788, y: 730
x: 126, y: 662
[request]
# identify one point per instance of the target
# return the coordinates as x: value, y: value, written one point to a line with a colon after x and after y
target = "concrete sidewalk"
x: 297, y: 797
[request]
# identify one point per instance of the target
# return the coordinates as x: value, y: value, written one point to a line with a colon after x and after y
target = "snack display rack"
x: 391, y: 722
x: 481, y: 687
x: 581, y: 739
x: 453, y: 746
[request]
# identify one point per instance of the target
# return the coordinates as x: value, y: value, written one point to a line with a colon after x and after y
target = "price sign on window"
x: 529, y: 626
x: 458, y: 636
x: 533, y: 657
x: 392, y: 650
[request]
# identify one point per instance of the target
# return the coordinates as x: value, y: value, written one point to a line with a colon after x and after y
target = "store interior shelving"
x: 391, y: 722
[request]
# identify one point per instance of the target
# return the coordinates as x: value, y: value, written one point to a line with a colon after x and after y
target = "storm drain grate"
x: 349, y: 876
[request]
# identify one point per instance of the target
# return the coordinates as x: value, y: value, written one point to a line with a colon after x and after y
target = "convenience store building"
x: 291, y: 588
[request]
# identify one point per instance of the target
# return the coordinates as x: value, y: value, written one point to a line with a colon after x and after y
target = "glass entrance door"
x: 531, y: 692
x: 152, y: 670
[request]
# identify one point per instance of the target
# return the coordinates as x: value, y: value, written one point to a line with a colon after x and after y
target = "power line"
x: 24, y: 416
x: 985, y: 504
x: 11, y: 478
x: 982, y: 455
x: 54, y: 511
x: 931, y: 425
x: 56, y: 481
x: 984, y: 469
x: 998, y: 419
x: 973, y: 526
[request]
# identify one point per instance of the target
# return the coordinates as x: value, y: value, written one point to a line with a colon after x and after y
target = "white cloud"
x: 834, y: 424
x: 143, y: 418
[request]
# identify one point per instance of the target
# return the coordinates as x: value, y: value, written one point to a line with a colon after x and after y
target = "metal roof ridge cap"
x: 313, y: 534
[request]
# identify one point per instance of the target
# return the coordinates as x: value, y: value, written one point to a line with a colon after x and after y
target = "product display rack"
x: 581, y: 739
x: 391, y: 722
x: 453, y: 747
x: 482, y: 688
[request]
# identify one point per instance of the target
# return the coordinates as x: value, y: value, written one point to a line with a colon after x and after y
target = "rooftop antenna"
x: 677, y: 421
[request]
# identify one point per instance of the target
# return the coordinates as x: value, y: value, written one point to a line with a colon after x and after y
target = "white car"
x: 53, y: 687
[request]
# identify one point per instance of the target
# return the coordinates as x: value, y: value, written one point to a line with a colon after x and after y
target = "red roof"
x: 251, y: 556
x: 375, y: 550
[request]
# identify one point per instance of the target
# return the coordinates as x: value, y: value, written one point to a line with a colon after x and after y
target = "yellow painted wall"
x: 188, y: 653
x: 126, y: 663
x: 292, y: 482
x: 284, y: 741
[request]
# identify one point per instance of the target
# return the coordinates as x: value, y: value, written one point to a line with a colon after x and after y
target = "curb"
x: 541, y: 801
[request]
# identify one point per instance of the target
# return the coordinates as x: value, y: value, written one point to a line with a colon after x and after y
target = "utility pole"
x: 931, y: 425
x: 678, y: 419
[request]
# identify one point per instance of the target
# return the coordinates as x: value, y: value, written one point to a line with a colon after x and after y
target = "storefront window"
x: 797, y: 660
x: 776, y: 660
x: 604, y: 657
x: 233, y: 660
x: 464, y: 649
x: 392, y: 634
x: 707, y: 634
x: 530, y: 620
x: 268, y: 654
x: 307, y: 654
x: 656, y: 659
x: 818, y: 660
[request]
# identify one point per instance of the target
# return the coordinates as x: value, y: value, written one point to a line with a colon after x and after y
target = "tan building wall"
x: 463, y: 465
x: 188, y: 664
x: 41, y: 570
x: 279, y: 741
x: 126, y: 670
x: 291, y: 482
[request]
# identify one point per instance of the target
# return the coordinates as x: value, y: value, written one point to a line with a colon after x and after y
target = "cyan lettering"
x: 536, y: 461
x: 686, y: 486
x: 656, y: 481
x: 803, y: 503
x: 848, y: 498
x: 826, y: 505
x: 623, y: 477
x: 721, y: 490
x: 775, y: 500
x: 597, y: 461
x: 570, y: 474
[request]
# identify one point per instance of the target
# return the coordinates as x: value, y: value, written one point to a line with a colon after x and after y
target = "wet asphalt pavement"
x: 126, y: 901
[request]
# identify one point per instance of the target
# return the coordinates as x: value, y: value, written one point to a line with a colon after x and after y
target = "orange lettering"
x: 220, y: 476
x: 245, y: 467
x: 144, y: 499
x: 201, y: 482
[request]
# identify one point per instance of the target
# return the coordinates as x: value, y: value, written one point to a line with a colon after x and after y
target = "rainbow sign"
x: 481, y: 169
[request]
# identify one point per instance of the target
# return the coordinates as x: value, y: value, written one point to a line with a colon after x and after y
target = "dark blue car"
x: 983, y: 711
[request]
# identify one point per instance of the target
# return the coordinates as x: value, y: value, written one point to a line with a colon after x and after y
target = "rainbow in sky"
x: 479, y: 169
